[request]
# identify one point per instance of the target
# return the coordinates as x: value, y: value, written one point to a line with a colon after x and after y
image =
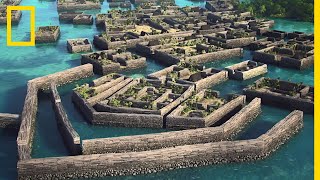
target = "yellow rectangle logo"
x: 32, y: 25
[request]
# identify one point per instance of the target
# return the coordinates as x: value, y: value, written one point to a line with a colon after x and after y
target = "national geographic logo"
x: 32, y: 25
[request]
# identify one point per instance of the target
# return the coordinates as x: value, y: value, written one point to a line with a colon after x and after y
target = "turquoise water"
x: 20, y: 64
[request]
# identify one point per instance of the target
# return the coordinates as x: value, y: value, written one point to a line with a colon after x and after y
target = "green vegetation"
x: 192, y: 42
x: 237, y: 34
x: 274, y: 85
x: 176, y: 89
x: 294, y: 9
x: 85, y: 91
x: 192, y: 66
x: 192, y: 104
x: 267, y: 82
x: 47, y: 29
x: 118, y: 103
x: 101, y: 58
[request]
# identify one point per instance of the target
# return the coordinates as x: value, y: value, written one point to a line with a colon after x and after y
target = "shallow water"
x: 19, y: 64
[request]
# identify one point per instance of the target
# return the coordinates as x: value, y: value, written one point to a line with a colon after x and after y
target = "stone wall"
x: 28, y: 118
x: 132, y: 163
x: 162, y: 72
x: 165, y: 58
x: 98, y: 68
x: 63, y: 77
x: 239, y: 42
x: 262, y: 56
x: 101, y: 43
x: 280, y: 100
x: 282, y: 60
x: 128, y: 120
x: 29, y: 112
x: 68, y: 16
x: 106, y: 90
x: 78, y: 6
x: 219, y: 55
x: 84, y: 106
x: 74, y: 47
x: 127, y: 117
x: 239, y: 121
x: 175, y: 121
x: 15, y: 17
x: 211, y: 80
x: 47, y: 37
x: 83, y: 19
x: 257, y: 70
x: 297, y: 63
x: 173, y: 138
x: 70, y: 137
x: 282, y: 131
x: 9, y: 120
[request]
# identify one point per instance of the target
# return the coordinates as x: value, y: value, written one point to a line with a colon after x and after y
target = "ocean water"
x: 293, y: 160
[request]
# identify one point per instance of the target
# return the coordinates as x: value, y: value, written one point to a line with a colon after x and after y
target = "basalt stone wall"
x: 165, y: 58
x: 244, y: 75
x: 187, y: 93
x: 168, y: 35
x: 144, y: 48
x: 3, y: 6
x: 255, y: 72
x: 99, y: 68
x: 239, y: 121
x: 28, y: 118
x: 76, y: 7
x: 162, y: 72
x: 210, y: 31
x: 48, y: 37
x: 129, y: 43
x: 211, y: 80
x: 173, y: 138
x: 9, y: 120
x: 154, y: 24
x: 100, y: 42
x: 176, y: 121
x: 68, y: 16
x: 141, y: 1
x: 29, y: 112
x: 15, y: 18
x: 282, y: 131
x: 84, y: 106
x: 131, y: 163
x: 86, y: 20
x: 136, y: 63
x: 262, y: 56
x: 109, y: 89
x: 70, y: 136
x: 128, y: 120
x: 104, y: 107
x: 280, y: 100
x: 219, y: 55
x: 297, y: 63
x: 79, y: 48
x: 240, y: 42
x: 63, y: 77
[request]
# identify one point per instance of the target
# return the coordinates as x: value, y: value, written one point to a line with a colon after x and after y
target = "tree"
x: 295, y: 9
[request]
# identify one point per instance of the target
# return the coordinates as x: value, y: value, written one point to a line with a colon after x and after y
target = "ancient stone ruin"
x: 79, y: 45
x: 47, y: 34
